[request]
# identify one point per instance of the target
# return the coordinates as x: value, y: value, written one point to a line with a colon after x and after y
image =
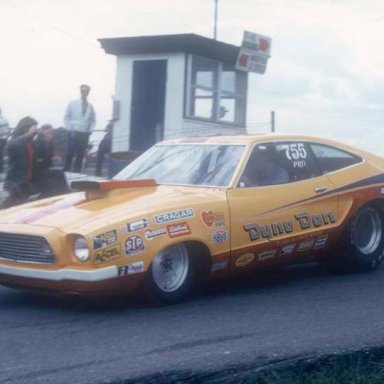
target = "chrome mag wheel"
x: 170, y: 268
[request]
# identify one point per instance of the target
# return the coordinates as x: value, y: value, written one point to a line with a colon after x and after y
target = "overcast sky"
x: 325, y: 76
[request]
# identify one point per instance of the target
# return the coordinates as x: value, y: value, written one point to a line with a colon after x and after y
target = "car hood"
x: 77, y: 213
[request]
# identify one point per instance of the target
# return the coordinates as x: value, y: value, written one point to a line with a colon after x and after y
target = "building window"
x: 214, y: 92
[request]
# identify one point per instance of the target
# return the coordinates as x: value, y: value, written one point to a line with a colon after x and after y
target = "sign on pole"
x: 254, y: 53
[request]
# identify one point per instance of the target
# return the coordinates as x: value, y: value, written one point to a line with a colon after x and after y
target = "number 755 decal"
x: 295, y: 151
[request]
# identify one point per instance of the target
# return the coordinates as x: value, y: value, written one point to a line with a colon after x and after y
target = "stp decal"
x: 134, y: 245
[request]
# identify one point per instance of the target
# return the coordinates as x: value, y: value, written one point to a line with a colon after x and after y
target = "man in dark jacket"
x: 45, y: 180
x: 104, y: 149
x: 18, y: 181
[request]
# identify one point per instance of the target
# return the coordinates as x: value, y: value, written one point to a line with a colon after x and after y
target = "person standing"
x: 79, y: 120
x: 4, y: 131
x: 18, y: 181
x: 104, y: 149
x: 46, y: 180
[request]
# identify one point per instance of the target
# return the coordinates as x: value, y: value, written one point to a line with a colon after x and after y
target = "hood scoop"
x: 98, y: 189
x: 109, y: 185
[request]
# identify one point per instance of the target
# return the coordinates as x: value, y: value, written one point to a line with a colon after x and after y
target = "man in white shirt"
x: 4, y: 132
x: 79, y: 120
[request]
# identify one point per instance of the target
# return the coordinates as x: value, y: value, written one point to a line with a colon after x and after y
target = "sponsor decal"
x: 211, y: 218
x: 219, y: 265
x: 179, y: 229
x: 106, y: 254
x: 258, y: 231
x: 320, y: 242
x: 136, y: 225
x: 244, y: 260
x: 306, y: 245
x: 150, y: 235
x: 309, y: 221
x: 174, y: 215
x: 267, y: 254
x: 104, y: 239
x: 130, y: 269
x: 219, y: 237
x: 287, y: 250
x: 134, y: 245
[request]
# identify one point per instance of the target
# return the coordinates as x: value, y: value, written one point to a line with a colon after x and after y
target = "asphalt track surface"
x: 243, y: 323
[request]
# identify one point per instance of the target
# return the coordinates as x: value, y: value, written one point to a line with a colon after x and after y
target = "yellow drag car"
x: 197, y: 208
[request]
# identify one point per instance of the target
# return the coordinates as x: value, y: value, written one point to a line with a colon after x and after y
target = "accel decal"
x: 106, y: 254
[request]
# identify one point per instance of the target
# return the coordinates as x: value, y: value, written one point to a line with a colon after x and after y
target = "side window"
x: 331, y: 159
x: 298, y: 160
x: 263, y: 168
x: 279, y: 163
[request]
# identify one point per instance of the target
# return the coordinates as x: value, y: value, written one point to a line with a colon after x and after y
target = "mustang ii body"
x: 192, y: 209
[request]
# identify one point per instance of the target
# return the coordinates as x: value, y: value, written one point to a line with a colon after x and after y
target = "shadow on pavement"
x: 237, y: 285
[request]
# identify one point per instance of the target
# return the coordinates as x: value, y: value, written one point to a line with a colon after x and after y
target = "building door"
x: 148, y: 102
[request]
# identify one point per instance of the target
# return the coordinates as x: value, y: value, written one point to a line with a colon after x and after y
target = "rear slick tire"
x: 364, y: 243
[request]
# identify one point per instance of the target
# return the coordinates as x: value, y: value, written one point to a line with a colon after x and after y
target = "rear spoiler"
x: 109, y: 185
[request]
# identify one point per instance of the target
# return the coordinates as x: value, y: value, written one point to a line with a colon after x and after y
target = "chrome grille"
x: 25, y: 248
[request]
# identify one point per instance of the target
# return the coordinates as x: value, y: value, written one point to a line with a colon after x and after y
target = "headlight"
x: 80, y: 248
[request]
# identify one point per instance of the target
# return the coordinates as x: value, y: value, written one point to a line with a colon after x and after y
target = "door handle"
x: 320, y: 189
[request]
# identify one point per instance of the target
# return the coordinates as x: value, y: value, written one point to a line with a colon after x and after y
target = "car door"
x: 282, y: 208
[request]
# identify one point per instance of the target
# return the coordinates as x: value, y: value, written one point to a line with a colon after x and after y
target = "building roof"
x: 189, y: 43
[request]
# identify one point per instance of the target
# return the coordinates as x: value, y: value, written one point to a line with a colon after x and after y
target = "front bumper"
x: 100, y: 282
x: 61, y: 274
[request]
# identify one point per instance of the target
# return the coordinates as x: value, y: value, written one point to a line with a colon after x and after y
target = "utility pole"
x: 272, y: 121
x: 215, y: 21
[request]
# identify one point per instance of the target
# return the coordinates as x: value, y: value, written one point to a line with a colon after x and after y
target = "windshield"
x: 187, y: 164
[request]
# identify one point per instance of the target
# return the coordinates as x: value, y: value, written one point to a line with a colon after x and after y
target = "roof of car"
x: 246, y: 139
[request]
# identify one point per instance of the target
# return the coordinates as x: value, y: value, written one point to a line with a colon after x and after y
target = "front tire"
x: 171, y: 275
x: 364, y: 243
